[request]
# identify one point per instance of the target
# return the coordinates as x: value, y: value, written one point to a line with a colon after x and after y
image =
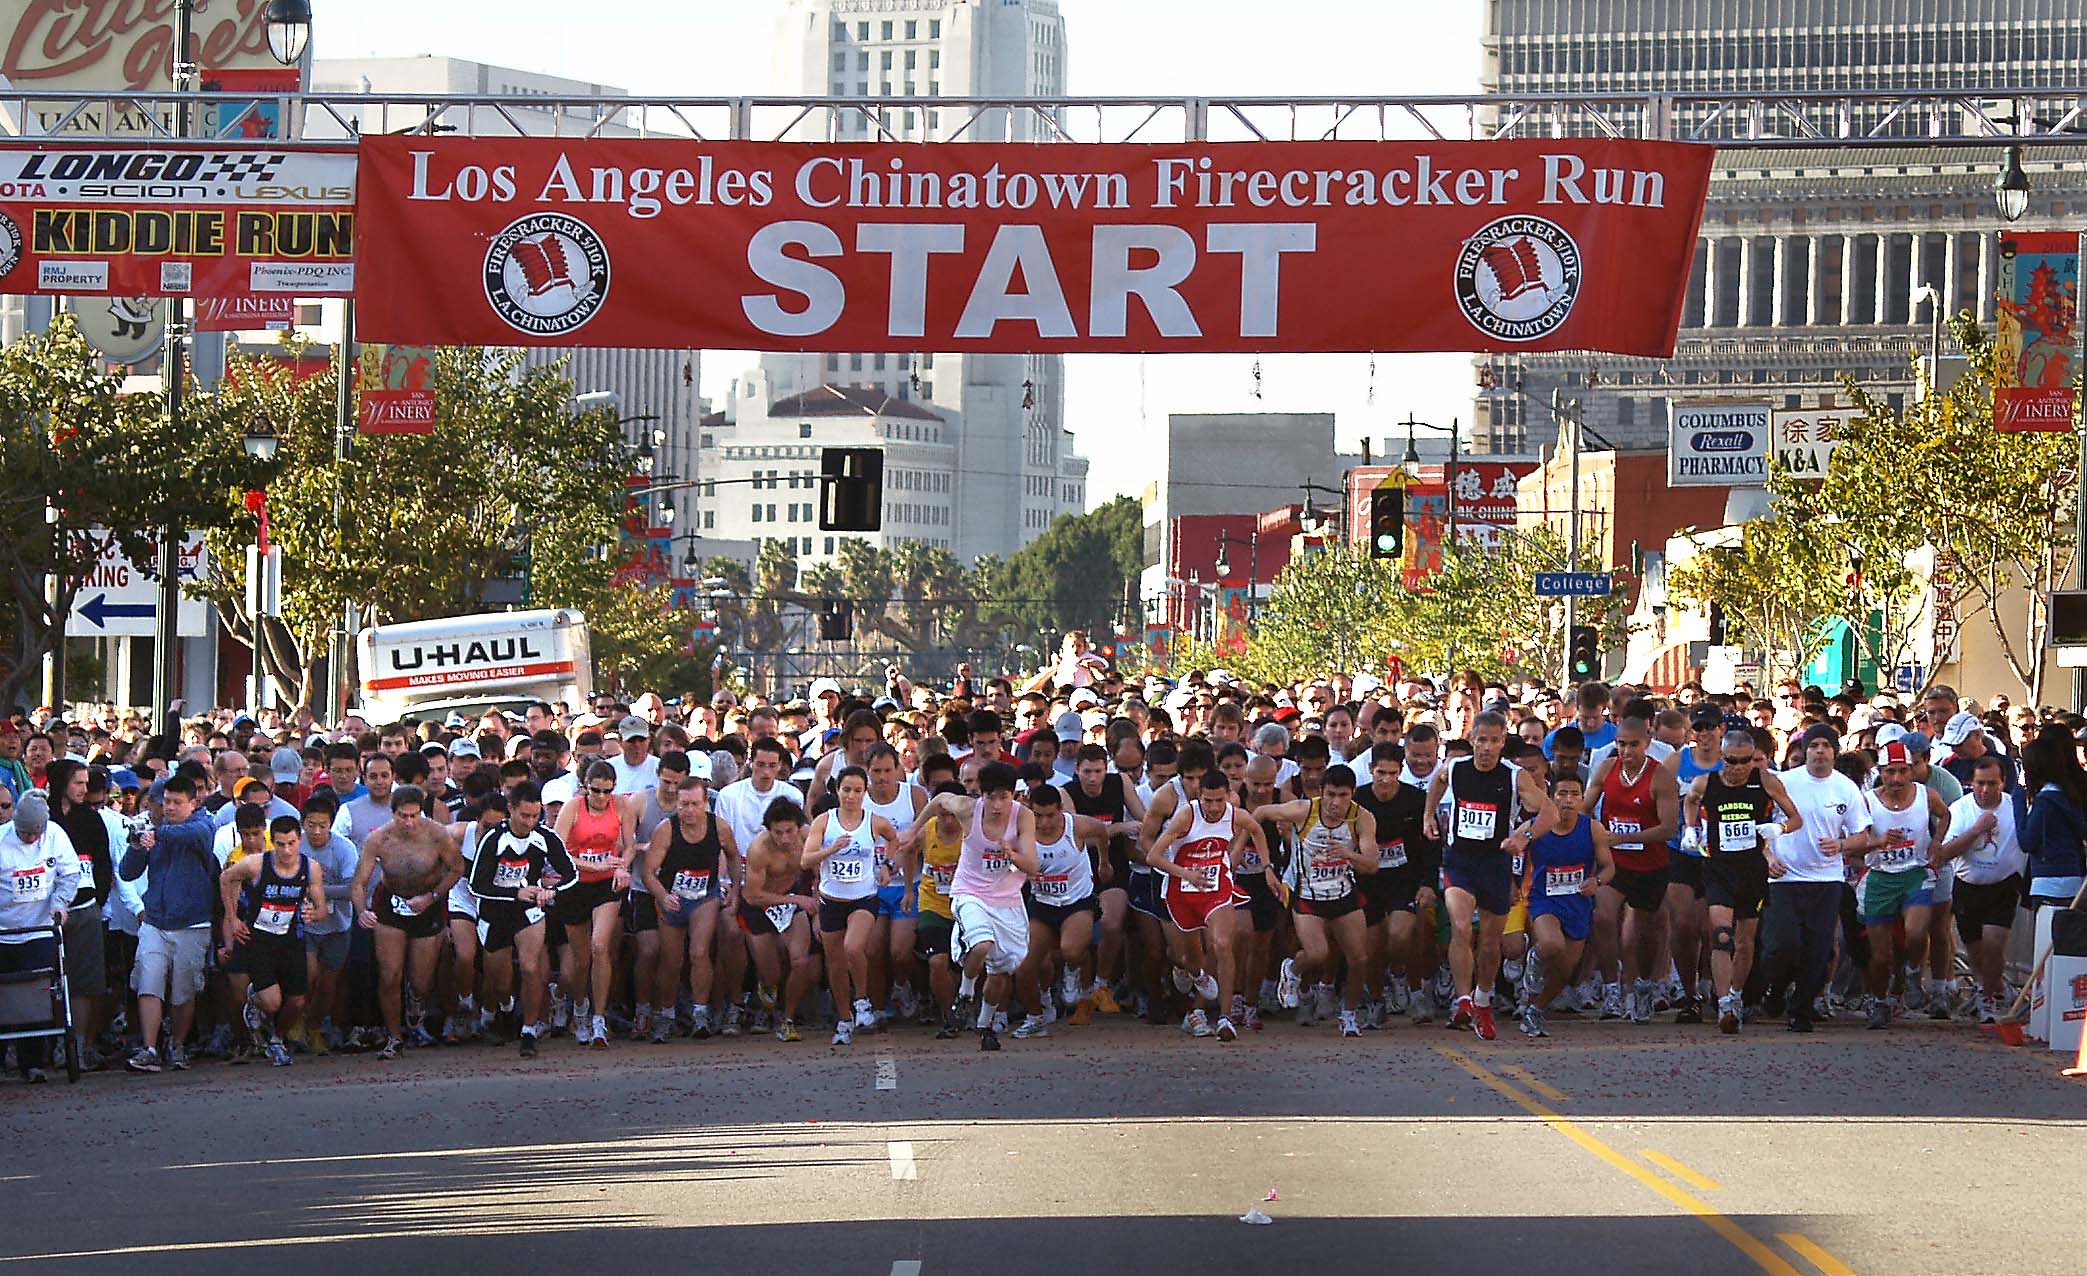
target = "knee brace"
x: 1721, y: 939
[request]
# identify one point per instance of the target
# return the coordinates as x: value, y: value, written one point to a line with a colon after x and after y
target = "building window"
x: 709, y: 520
x: 804, y: 431
x: 927, y: 389
x: 862, y: 30
x: 808, y: 545
x: 912, y: 31
x: 935, y: 30
x: 840, y: 31
x: 840, y: 88
x: 912, y: 59
x: 854, y: 363
x: 840, y: 61
x: 884, y: 59
x: 756, y: 516
x: 877, y: 362
x: 862, y: 61
x: 934, y: 59
x: 887, y: 33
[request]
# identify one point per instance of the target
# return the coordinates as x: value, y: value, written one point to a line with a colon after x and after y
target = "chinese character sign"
x: 1485, y: 501
x: 2036, y: 348
x: 1803, y: 439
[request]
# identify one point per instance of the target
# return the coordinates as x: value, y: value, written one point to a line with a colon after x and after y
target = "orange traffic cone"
x: 2079, y: 1068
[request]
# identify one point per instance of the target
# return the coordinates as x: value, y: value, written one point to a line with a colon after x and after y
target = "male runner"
x: 1062, y: 902
x: 992, y: 927
x: 1685, y: 910
x: 1567, y: 864
x: 928, y: 854
x: 419, y: 864
x: 1727, y: 814
x: 1984, y: 845
x: 1198, y: 853
x: 775, y: 914
x: 1336, y: 840
x: 1408, y: 869
x: 1897, y: 885
x: 1101, y: 794
x: 508, y: 877
x: 691, y: 870
x: 1482, y: 792
x: 1640, y: 804
x: 268, y: 900
x: 1806, y: 874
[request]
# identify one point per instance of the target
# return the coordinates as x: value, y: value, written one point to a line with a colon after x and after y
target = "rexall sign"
x: 1718, y: 445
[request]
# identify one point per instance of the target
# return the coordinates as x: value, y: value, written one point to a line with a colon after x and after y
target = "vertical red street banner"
x: 2036, y: 344
x: 1427, y: 530
x: 1566, y: 244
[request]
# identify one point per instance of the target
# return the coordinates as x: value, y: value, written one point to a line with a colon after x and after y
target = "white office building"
x: 1004, y: 415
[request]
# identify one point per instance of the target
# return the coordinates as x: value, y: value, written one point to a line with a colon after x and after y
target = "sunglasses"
x: 1732, y: 761
x: 598, y: 791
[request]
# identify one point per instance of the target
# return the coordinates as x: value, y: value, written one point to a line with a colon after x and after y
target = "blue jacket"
x: 2054, y: 834
x: 184, y: 872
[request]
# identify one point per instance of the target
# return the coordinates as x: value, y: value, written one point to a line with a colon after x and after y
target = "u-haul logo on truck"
x: 461, y: 655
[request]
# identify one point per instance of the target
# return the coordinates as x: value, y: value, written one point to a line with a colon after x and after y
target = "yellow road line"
x: 1700, y: 1182
x: 1827, y: 1264
x: 1745, y: 1242
x: 1534, y: 1082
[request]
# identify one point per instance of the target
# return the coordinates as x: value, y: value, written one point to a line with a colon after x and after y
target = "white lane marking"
x: 905, y: 1267
x: 903, y: 1168
x: 887, y: 1073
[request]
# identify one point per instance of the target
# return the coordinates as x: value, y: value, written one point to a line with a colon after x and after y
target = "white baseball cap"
x: 1960, y: 728
x: 824, y: 685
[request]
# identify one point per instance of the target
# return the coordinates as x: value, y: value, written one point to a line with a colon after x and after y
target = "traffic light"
x: 836, y: 620
x: 851, y: 495
x: 1584, y: 653
x: 1388, y: 522
x: 1718, y: 630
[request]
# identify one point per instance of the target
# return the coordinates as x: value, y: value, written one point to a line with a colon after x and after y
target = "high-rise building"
x: 1811, y: 263
x: 1016, y: 470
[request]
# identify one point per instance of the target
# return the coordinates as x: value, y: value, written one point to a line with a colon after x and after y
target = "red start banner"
x: 1264, y: 246
x: 176, y: 220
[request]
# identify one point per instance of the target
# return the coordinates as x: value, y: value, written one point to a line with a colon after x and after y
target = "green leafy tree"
x: 81, y: 456
x: 409, y: 526
x: 1075, y: 575
x: 1327, y: 611
x: 1480, y: 610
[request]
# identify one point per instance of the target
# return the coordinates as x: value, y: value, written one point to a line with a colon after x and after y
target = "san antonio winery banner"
x: 177, y: 220
x: 1481, y: 246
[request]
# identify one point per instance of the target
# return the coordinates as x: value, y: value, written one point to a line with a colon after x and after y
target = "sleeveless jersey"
x: 938, y: 869
x: 1065, y: 874
x: 1732, y: 814
x: 1325, y: 874
x: 1181, y: 798
x: 1687, y: 772
x: 689, y: 869
x: 1480, y: 805
x: 1204, y: 851
x: 899, y: 811
x: 1272, y: 835
x: 850, y: 872
x: 985, y: 871
x: 651, y: 815
x: 1904, y: 833
x: 1628, y: 806
x: 1107, y: 806
x: 593, y: 843
x: 1398, y: 818
x: 275, y: 903
x: 1560, y: 862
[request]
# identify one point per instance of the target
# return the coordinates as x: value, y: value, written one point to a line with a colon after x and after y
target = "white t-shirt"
x: 635, y: 779
x: 741, y: 807
x: 1657, y: 750
x: 1999, y: 856
x: 1832, y: 807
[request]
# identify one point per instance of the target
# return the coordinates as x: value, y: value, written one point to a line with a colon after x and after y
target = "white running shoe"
x: 1197, y: 1024
x: 582, y: 1032
x: 1348, y: 1024
x: 1329, y: 1006
x: 1289, y: 988
x: 844, y: 1033
x: 1206, y: 985
x: 1032, y: 1026
x: 1069, y: 987
x: 1225, y: 1030
x: 865, y: 1015
x: 1183, y: 981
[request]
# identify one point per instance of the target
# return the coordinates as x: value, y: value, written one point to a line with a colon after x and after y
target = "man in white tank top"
x: 992, y: 926
x: 1908, y: 819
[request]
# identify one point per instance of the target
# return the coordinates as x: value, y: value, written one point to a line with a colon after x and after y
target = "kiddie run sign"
x: 1481, y: 246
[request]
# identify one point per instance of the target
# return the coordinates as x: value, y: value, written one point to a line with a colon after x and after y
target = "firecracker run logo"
x: 1517, y: 278
x: 547, y: 274
x: 10, y: 244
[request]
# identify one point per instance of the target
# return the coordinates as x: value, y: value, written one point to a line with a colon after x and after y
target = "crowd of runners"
x: 999, y: 856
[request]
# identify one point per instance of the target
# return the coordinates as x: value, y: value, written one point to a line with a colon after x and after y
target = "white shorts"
x: 1946, y: 882
x: 169, y: 963
x: 1007, y: 929
x: 462, y: 903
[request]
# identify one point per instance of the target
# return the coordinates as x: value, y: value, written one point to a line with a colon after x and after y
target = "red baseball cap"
x: 1895, y: 754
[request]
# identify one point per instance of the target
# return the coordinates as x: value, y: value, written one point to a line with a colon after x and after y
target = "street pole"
x: 166, y: 669
x: 2080, y: 566
x: 1559, y: 413
x: 1450, y: 481
x: 343, y: 448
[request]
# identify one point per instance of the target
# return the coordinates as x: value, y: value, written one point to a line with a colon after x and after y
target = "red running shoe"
x: 1460, y: 1013
x: 1482, y: 1022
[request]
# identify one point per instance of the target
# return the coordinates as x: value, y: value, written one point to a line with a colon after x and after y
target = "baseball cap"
x: 124, y: 778
x: 1068, y: 726
x: 286, y: 765
x: 1891, y: 733
x: 464, y: 747
x: 822, y: 686
x: 1917, y: 743
x: 699, y: 767
x: 1365, y: 683
x: 634, y: 728
x: 454, y: 720
x: 1082, y: 698
x: 1895, y: 754
x: 1706, y: 715
x: 239, y: 790
x: 1960, y: 728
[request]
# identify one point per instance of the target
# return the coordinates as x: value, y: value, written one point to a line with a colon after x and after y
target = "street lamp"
x: 1449, y: 473
x: 289, y: 29
x: 261, y: 441
x: 2011, y: 188
x: 1253, y: 565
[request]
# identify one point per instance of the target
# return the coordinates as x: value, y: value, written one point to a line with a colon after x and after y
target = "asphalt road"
x: 1112, y: 1148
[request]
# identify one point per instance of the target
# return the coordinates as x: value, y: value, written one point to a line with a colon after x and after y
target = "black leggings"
x: 1797, y: 938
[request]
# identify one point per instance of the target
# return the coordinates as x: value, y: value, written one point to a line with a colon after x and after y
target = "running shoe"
x: 1225, y: 1030
x: 1691, y: 1011
x: 1988, y: 1012
x: 422, y: 1038
x: 1289, y: 988
x: 1253, y: 1018
x: 787, y: 1031
x: 949, y: 1030
x: 1423, y: 1004
x: 278, y: 1053
x: 1641, y: 1002
x: 1938, y: 1005
x: 255, y: 1018
x: 844, y: 1033
x: 999, y: 1021
x: 144, y: 1059
x: 601, y: 1033
x: 1349, y: 1028
x: 1197, y: 1024
x: 1460, y: 1013
x: 1398, y: 999
x: 1032, y: 1026
x: 1069, y: 987
x: 1880, y: 1013
x: 1800, y: 1022
x: 1329, y: 1005
x: 641, y: 1027
x: 1050, y: 1009
x: 177, y: 1057
x: 1728, y: 1014
x: 1533, y: 1021
x: 528, y: 1050
x: 582, y: 1031
x: 392, y: 1046
x: 988, y: 1039
x: 662, y: 1030
x: 865, y: 1015
x: 1206, y: 985
x: 1082, y: 1014
x: 1105, y: 1002
x: 1612, y: 1002
x: 732, y: 1015
x: 1482, y: 1023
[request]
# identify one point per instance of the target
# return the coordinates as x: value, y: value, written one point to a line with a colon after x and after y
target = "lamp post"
x: 2011, y: 187
x: 1253, y: 567
x: 1449, y: 473
x: 1341, y: 493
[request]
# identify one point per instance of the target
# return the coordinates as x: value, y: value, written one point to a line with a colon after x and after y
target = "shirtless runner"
x: 776, y: 915
x: 419, y: 863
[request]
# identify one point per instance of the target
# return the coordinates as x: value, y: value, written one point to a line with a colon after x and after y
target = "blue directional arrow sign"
x: 1574, y: 584
x: 99, y: 611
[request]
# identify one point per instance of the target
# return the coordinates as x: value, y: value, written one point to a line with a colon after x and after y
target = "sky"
x: 1116, y: 405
